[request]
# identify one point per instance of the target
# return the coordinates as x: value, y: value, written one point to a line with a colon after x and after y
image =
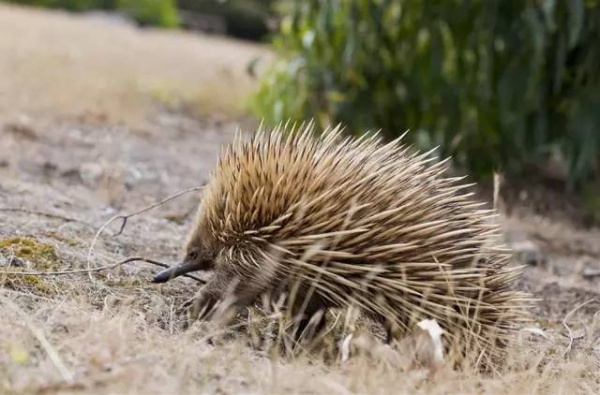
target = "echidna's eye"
x: 193, y: 255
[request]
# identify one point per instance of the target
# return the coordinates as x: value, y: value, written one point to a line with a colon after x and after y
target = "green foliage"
x: 246, y: 19
x: 147, y: 12
x: 71, y: 5
x: 498, y: 84
x: 151, y: 12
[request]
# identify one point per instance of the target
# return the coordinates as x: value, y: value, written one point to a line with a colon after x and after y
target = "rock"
x: 91, y: 173
x: 8, y: 261
x: 528, y: 253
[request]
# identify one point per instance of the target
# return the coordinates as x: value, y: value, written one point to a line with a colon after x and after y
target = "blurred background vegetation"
x: 506, y: 85
x: 161, y: 13
x: 501, y: 85
x: 245, y: 19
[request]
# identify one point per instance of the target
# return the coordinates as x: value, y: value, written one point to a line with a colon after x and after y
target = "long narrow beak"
x: 175, y: 271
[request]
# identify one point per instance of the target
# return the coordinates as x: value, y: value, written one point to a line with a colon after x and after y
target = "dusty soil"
x: 65, y: 173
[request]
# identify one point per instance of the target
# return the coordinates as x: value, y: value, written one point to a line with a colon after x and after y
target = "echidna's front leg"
x: 222, y: 297
x: 196, y: 308
x: 200, y: 307
x: 309, y: 319
x: 210, y: 304
x: 310, y: 326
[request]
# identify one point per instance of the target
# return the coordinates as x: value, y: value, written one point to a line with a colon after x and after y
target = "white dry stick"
x: 497, y: 180
x: 39, y: 335
x: 536, y: 330
x: 435, y: 332
x: 345, y: 348
x: 568, y: 328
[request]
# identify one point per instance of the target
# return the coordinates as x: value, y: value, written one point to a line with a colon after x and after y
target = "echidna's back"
x: 374, y: 201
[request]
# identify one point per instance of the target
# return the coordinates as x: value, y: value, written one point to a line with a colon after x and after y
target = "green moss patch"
x: 33, y: 284
x: 40, y: 256
x: 43, y: 256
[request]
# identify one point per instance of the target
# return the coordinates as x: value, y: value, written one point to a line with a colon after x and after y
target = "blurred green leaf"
x: 576, y: 11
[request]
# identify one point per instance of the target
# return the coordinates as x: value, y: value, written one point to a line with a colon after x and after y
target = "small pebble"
x: 528, y: 253
x: 7, y: 261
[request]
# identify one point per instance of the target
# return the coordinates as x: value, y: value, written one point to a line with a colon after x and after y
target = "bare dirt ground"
x: 83, y: 137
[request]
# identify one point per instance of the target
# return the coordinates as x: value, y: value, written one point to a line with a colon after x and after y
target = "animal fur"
x: 354, y: 222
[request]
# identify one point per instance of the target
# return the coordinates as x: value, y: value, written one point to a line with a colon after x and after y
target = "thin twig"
x: 98, y: 269
x: 566, y: 319
x: 48, y: 348
x: 44, y: 214
x: 125, y: 217
x: 154, y: 205
x: 496, y: 191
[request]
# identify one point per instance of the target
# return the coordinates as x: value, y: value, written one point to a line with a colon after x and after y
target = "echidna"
x: 353, y: 221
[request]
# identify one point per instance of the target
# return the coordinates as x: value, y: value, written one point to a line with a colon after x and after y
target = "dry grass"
x: 72, y: 67
x: 128, y: 342
x: 119, y: 334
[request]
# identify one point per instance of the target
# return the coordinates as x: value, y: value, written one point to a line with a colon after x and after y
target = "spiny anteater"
x: 353, y: 221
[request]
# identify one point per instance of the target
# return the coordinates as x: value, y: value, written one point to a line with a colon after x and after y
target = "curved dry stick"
x: 98, y: 269
x: 568, y: 328
x: 125, y: 217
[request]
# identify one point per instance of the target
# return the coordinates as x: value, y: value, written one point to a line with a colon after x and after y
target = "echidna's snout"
x: 177, y: 270
x: 195, y: 259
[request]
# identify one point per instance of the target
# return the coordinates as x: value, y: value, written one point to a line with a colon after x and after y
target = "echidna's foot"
x: 392, y: 332
x: 308, y: 327
x: 307, y: 331
x: 184, y: 312
x: 214, y: 314
x: 198, y: 308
